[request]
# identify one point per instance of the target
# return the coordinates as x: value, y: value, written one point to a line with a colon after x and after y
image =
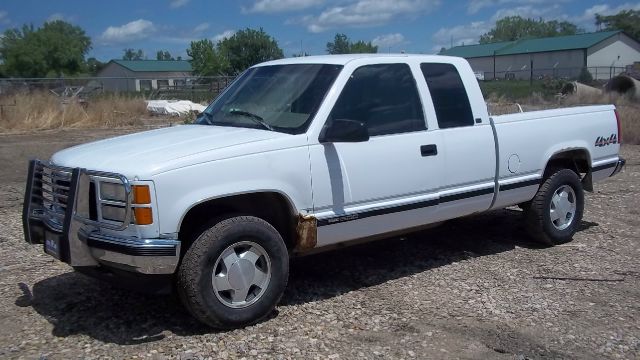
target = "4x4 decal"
x: 602, y: 141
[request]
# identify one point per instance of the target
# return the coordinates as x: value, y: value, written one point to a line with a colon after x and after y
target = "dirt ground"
x: 474, y: 288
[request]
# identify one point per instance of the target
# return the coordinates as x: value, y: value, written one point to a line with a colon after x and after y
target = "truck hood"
x: 147, y: 153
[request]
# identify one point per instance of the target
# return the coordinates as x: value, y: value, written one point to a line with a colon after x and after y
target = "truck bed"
x: 522, y: 159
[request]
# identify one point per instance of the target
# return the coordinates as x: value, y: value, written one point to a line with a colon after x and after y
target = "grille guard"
x: 42, y: 204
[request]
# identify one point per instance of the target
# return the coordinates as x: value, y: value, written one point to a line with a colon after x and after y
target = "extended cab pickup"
x: 302, y: 154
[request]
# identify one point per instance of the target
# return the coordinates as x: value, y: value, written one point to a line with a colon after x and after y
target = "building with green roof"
x: 604, y: 54
x: 144, y: 75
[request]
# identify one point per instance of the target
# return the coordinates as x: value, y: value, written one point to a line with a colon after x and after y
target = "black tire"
x: 538, y: 216
x: 194, y: 283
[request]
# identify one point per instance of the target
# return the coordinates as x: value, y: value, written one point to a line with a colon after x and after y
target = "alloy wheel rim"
x: 241, y: 274
x: 562, y: 209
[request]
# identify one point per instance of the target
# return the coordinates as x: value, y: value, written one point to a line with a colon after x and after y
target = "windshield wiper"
x: 256, y: 118
x: 207, y: 115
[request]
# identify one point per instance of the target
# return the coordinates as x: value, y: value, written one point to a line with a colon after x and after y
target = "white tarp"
x: 173, y: 107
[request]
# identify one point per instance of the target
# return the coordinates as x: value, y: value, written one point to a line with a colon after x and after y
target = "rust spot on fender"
x: 307, y: 231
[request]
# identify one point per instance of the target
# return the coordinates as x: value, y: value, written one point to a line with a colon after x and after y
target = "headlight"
x: 140, y: 201
x: 113, y: 213
x: 112, y: 191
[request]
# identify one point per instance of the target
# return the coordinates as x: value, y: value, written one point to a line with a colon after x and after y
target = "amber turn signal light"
x: 143, y: 216
x: 141, y: 194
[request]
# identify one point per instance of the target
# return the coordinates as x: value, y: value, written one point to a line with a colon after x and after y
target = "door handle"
x: 429, y: 150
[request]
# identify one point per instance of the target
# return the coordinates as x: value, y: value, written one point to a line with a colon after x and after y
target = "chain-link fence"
x: 196, y: 89
x: 565, y: 73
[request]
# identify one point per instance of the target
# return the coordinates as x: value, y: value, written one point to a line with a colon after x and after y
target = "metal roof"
x: 525, y: 46
x: 480, y: 50
x: 155, y: 65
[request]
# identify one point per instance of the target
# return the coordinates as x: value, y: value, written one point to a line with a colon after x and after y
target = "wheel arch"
x: 273, y: 206
x: 577, y: 159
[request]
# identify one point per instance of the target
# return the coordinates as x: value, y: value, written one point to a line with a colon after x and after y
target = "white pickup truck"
x: 301, y: 154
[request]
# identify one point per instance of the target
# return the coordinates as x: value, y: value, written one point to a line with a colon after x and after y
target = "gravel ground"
x: 472, y: 288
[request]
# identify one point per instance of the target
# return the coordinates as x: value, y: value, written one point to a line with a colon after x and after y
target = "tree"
x: 206, y: 59
x: 57, y: 48
x: 585, y: 76
x: 626, y: 20
x: 516, y: 27
x: 131, y: 54
x: 342, y: 45
x: 248, y: 47
x: 361, y: 47
x: 94, y: 65
x: 163, y: 55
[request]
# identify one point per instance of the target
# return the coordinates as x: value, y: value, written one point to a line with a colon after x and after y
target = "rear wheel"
x: 234, y: 273
x: 554, y: 214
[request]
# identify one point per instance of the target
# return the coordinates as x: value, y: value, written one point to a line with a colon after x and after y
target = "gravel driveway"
x: 472, y: 288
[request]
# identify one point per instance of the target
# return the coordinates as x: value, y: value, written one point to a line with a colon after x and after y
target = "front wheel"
x: 234, y: 273
x: 554, y: 214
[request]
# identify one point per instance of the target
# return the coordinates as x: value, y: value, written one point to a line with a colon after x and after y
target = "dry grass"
x: 39, y: 111
x: 628, y: 109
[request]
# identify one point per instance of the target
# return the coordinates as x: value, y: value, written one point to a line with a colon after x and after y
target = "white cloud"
x: 388, y: 40
x: 469, y: 34
x: 588, y: 17
x: 528, y: 11
x: 224, y: 35
x: 201, y: 28
x: 178, y: 3
x: 134, y: 30
x: 459, y: 35
x: 363, y: 13
x: 56, y: 16
x: 274, y: 6
x: 473, y: 6
x: 4, y: 17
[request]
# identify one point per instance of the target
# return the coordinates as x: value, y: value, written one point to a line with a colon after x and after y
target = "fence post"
x: 531, y: 73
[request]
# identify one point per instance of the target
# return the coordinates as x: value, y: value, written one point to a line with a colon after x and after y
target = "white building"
x: 605, y: 54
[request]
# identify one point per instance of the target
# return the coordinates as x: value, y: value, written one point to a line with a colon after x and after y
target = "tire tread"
x: 191, y: 267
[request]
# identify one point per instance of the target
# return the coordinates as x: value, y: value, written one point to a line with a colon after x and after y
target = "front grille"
x: 51, y: 191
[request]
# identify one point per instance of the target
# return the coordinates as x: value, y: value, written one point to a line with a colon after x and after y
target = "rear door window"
x: 449, y: 95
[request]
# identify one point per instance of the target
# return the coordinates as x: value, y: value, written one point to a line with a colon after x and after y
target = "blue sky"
x: 417, y: 26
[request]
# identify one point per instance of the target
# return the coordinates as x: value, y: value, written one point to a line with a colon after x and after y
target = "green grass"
x: 514, y: 90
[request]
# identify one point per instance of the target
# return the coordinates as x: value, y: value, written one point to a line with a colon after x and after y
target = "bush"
x: 585, y: 76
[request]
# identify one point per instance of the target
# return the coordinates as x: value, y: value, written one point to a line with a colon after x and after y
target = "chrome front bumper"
x: 56, y: 213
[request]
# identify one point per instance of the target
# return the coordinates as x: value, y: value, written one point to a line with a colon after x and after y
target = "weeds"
x: 41, y: 110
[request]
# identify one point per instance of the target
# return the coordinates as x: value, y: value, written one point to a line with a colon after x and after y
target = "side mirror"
x: 344, y: 130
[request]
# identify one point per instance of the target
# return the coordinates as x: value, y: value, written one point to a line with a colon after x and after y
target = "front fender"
x: 285, y: 172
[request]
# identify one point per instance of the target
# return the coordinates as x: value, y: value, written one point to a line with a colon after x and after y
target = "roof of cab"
x: 346, y: 58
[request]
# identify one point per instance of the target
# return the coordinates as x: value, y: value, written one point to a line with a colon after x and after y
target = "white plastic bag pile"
x: 173, y: 107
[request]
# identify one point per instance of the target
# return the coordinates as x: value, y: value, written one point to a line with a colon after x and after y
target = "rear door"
x: 468, y: 151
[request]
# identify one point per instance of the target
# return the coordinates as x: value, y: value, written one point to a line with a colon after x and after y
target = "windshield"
x: 280, y: 98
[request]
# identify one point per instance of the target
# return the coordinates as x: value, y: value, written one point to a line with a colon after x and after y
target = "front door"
x: 389, y: 182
